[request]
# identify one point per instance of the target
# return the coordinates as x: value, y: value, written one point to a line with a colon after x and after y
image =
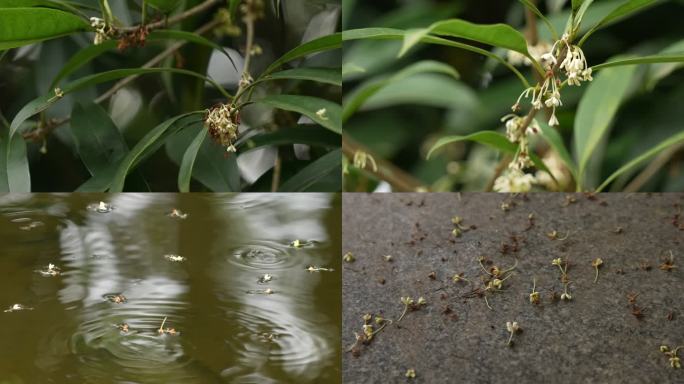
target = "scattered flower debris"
x: 296, y: 244
x: 313, y: 268
x: 388, y: 258
x: 32, y: 225
x: 50, y: 270
x: 102, y: 207
x: 554, y: 235
x: 166, y: 331
x: 411, y: 373
x: 118, y: 299
x: 369, y: 331
x: 176, y: 214
x: 668, y: 264
x: 123, y: 327
x: 512, y: 328
x: 175, y: 258
x: 675, y: 362
x: 534, y: 295
x: 348, y: 257
x: 265, y: 278
x: 18, y: 307
x: 597, y: 264
x: 409, y: 304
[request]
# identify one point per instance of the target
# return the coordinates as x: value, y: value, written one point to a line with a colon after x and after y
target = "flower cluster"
x: 222, y: 122
x: 675, y: 362
x: 512, y: 328
x: 517, y: 131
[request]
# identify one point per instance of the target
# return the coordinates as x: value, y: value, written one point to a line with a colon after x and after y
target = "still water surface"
x: 239, y: 302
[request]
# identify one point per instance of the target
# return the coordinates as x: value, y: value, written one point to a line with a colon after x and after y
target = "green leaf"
x: 659, y: 58
x: 303, y: 134
x: 14, y: 167
x: 185, y: 172
x: 618, y: 13
x: 530, y: 5
x: 322, y: 75
x: 165, y: 6
x: 498, y: 35
x: 366, y: 90
x: 91, y: 52
x: 491, y: 139
x: 596, y: 111
x: 97, y: 139
x: 153, y: 139
x: 42, y: 103
x: 216, y: 169
x: 320, y: 44
x: 429, y: 89
x: 312, y: 173
x: 41, y: 3
x: 673, y: 140
x: 556, y: 142
x: 23, y: 26
x: 397, y: 34
x: 576, y: 4
x: 656, y: 72
x: 321, y: 111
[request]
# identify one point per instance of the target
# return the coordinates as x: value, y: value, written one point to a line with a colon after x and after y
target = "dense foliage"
x: 434, y: 106
x: 162, y: 95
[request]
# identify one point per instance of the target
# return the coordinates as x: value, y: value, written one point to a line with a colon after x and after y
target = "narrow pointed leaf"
x: 320, y: 44
x: 23, y: 26
x: 659, y: 58
x: 321, y: 111
x: 673, y: 140
x: 188, y: 162
x: 312, y: 173
x: 498, y: 35
x: 322, y: 75
x: 366, y: 90
x: 153, y: 139
x: 596, y: 111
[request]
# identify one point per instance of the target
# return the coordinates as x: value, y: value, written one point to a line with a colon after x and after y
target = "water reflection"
x: 136, y: 265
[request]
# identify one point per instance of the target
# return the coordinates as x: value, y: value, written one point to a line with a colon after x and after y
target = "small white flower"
x: 175, y: 258
x: 566, y: 296
x: 322, y: 114
x: 550, y: 58
x: 553, y: 121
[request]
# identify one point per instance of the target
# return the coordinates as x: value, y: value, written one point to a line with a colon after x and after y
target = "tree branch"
x: 173, y: 19
x: 400, y: 180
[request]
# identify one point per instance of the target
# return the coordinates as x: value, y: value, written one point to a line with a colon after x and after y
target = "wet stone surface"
x: 594, y: 337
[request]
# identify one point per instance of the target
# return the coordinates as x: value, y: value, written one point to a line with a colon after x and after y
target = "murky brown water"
x: 232, y: 323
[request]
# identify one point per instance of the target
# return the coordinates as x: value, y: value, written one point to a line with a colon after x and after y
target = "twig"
x: 40, y: 134
x: 277, y: 166
x: 249, y: 45
x: 174, y: 19
x: 400, y: 180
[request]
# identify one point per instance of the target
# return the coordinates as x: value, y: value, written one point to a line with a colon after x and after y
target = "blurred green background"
x: 401, y: 123
x: 26, y: 73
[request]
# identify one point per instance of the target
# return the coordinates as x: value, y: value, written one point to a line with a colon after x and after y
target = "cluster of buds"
x: 363, y: 159
x: 410, y: 304
x: 564, y: 277
x: 514, y: 179
x: 222, y: 122
x: 252, y: 10
x: 369, y: 331
x: 102, y: 30
x: 512, y: 328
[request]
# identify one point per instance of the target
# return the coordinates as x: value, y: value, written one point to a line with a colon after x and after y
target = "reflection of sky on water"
x: 289, y: 312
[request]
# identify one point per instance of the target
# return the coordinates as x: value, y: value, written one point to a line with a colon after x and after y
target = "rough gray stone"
x: 594, y: 338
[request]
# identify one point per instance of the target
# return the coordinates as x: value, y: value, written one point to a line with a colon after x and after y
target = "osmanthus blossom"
x: 563, y: 58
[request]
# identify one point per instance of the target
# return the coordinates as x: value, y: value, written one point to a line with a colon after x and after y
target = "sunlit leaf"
x: 303, y: 134
x: 14, y: 167
x: 659, y: 58
x: 498, y: 35
x: 23, y: 26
